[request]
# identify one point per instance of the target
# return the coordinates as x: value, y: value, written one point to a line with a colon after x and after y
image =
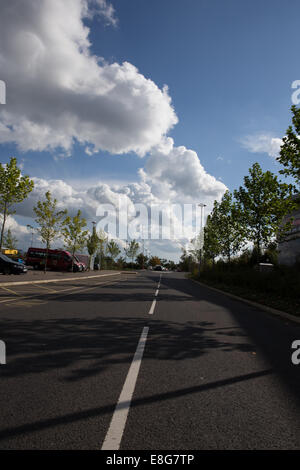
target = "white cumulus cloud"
x: 263, y: 143
x: 59, y: 92
x: 176, y: 173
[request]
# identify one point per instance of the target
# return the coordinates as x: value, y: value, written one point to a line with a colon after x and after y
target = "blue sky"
x: 228, y: 66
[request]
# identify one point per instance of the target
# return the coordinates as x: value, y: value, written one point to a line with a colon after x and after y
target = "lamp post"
x: 201, y: 205
x: 32, y: 232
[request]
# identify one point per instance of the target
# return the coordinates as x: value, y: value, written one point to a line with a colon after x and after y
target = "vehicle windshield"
x: 6, y: 258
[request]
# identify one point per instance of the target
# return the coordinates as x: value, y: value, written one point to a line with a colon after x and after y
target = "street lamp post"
x: 32, y: 232
x: 201, y: 205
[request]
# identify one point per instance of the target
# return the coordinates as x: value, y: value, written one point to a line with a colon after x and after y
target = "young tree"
x: 73, y: 233
x: 141, y: 260
x: 290, y: 150
x: 113, y: 249
x: 132, y: 249
x: 102, y: 239
x: 49, y: 220
x: 262, y: 204
x: 154, y: 261
x: 14, y: 188
x: 186, y: 261
x: 230, y: 229
x: 195, y: 249
x: 10, y: 241
x: 211, y: 246
x: 92, y: 244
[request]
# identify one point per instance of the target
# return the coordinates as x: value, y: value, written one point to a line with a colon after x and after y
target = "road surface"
x: 147, y: 361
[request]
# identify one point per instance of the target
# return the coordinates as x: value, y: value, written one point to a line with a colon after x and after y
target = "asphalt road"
x: 209, y: 372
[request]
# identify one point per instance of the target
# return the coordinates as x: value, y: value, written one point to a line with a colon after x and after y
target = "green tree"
x: 290, y: 150
x: 262, y: 204
x: 48, y: 219
x: 73, y: 233
x: 14, y: 188
x: 141, y: 260
x: 113, y: 250
x: 187, y: 262
x: 92, y: 244
x: 230, y: 227
x: 10, y: 241
x: 211, y: 245
x: 196, y: 247
x: 132, y: 249
x: 154, y: 261
x: 102, y: 240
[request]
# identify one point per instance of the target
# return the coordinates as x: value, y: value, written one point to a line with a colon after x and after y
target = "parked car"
x: 158, y: 268
x: 8, y: 266
x: 57, y: 259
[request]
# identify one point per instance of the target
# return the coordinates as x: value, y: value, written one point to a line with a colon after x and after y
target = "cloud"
x: 103, y: 9
x: 176, y: 174
x: 262, y: 143
x: 154, y: 189
x: 58, y: 92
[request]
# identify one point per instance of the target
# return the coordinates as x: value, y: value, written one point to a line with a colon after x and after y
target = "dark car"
x: 158, y: 268
x: 8, y: 266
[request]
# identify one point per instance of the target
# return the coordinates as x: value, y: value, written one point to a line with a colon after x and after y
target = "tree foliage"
x: 113, y: 249
x: 230, y: 226
x: 10, y: 241
x: 73, y: 233
x: 263, y: 202
x: 48, y: 219
x: 92, y: 244
x: 102, y: 240
x: 141, y: 260
x: 154, y: 261
x: 14, y: 188
x: 132, y: 249
x: 290, y: 150
x: 211, y: 246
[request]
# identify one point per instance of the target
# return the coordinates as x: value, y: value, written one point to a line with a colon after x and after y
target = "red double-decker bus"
x: 56, y: 259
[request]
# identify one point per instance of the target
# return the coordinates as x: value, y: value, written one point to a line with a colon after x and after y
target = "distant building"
x: 289, y: 248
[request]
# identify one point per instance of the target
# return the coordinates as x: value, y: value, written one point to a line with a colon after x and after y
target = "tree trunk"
x: 3, y: 225
x: 91, y: 262
x: 46, y: 260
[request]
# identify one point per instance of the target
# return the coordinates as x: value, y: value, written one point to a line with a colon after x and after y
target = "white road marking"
x: 156, y: 293
x: 115, y: 432
x: 152, y: 307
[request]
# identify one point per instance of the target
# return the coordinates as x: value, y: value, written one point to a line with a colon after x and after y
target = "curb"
x: 265, y: 308
x: 42, y: 281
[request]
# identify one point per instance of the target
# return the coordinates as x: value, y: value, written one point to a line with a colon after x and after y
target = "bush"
x: 283, y: 281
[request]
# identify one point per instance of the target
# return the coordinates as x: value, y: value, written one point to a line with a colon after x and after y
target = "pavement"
x: 143, y: 362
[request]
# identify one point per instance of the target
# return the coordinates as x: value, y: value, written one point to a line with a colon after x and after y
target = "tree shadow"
x: 272, y: 335
x: 92, y: 345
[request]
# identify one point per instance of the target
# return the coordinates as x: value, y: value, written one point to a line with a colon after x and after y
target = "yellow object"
x: 9, y: 252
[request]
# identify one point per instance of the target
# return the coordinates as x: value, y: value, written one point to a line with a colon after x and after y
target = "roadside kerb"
x: 43, y: 281
x: 265, y: 308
